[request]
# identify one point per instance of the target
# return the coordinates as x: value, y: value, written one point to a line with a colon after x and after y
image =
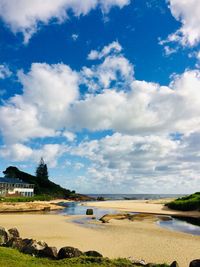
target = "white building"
x: 11, y: 186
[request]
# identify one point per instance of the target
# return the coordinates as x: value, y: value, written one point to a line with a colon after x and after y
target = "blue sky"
x: 107, y: 91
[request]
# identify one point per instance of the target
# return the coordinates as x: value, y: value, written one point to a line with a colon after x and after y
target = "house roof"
x: 11, y: 180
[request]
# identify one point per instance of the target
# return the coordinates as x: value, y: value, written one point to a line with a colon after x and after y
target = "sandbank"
x: 142, y: 206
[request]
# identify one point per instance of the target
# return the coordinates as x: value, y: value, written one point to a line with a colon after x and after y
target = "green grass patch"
x: 12, y: 258
x: 27, y: 199
x: 187, y: 203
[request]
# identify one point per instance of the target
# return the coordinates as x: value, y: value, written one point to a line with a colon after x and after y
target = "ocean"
x: 135, y: 196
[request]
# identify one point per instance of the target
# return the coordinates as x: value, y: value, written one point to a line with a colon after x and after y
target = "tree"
x: 42, y: 171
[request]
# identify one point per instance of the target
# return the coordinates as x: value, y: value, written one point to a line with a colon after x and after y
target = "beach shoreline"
x: 119, y: 238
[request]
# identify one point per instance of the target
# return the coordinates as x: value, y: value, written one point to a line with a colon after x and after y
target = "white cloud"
x: 51, y: 102
x: 69, y: 136
x: 144, y: 108
x: 140, y: 164
x: 25, y: 16
x: 19, y: 153
x: 187, y: 12
x: 4, y: 71
x: 48, y: 92
x: 75, y: 36
x: 115, y: 69
x: 113, y: 47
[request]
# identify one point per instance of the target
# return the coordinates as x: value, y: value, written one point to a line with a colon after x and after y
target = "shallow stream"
x: 190, y: 226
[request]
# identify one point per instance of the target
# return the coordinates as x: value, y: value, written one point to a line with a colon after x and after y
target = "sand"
x: 30, y: 206
x: 139, y: 239
x: 143, y: 206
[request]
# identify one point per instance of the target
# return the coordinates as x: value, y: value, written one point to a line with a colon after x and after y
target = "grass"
x: 188, y: 203
x: 12, y: 258
x: 26, y: 199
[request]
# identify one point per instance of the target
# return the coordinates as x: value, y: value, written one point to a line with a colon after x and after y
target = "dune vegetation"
x: 187, y: 203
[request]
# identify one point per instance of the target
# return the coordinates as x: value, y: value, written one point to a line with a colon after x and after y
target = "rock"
x: 47, y: 209
x: 174, y: 264
x: 16, y: 243
x: 4, y: 236
x: 93, y: 253
x: 34, y: 247
x: 106, y: 218
x: 195, y: 263
x: 69, y: 252
x: 136, y: 261
x: 89, y: 212
x: 49, y: 252
x: 14, y: 233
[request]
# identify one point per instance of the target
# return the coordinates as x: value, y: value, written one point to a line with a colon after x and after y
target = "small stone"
x: 89, y: 212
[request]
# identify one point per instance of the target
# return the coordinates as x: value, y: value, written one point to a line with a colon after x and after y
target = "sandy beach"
x: 143, y: 206
x: 138, y: 239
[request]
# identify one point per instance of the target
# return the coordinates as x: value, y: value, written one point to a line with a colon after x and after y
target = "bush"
x: 191, y: 202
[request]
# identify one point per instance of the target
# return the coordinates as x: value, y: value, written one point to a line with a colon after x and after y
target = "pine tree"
x: 42, y: 171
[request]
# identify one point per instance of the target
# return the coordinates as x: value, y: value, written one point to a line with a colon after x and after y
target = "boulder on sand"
x: 195, y: 263
x: 34, y: 247
x: 4, y: 236
x: 174, y: 264
x: 69, y: 252
x: 89, y: 212
x: 49, y: 252
x: 93, y: 253
x: 14, y: 233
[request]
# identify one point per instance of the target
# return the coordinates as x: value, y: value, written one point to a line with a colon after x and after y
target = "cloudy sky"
x: 107, y: 91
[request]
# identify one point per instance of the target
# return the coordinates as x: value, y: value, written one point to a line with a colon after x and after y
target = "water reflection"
x: 181, y: 226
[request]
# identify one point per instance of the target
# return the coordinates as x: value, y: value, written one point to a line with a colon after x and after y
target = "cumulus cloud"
x: 114, y: 47
x: 4, y: 71
x: 51, y: 102
x: 114, y: 68
x: 144, y: 108
x: 25, y: 16
x: 140, y: 163
x: 19, y: 153
x: 187, y: 12
x: 48, y: 92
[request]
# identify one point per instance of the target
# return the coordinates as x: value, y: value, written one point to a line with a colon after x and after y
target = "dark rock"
x: 69, y: 252
x: 93, y: 253
x: 89, y: 212
x: 49, y: 252
x: 47, y: 209
x: 195, y: 263
x: 14, y: 233
x: 174, y: 264
x: 34, y: 247
x: 16, y: 243
x: 4, y: 236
